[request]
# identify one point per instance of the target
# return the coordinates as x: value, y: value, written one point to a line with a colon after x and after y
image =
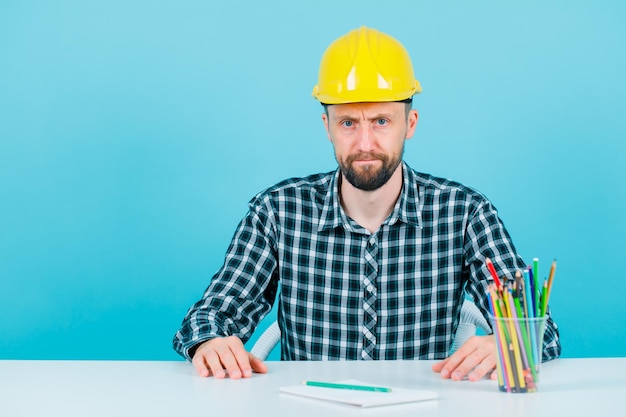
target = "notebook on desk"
x: 360, y: 398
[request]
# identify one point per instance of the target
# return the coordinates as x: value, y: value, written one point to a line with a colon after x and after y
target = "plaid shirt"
x: 414, y: 272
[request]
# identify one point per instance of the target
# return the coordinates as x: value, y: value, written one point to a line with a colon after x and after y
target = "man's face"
x: 369, y: 140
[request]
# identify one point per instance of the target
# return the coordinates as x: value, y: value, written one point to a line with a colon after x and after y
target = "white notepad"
x: 360, y: 398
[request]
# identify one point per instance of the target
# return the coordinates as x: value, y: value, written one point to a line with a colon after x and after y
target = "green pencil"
x: 346, y: 386
x: 544, y: 298
x: 536, y: 285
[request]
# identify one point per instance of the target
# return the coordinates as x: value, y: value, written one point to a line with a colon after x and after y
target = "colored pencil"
x: 346, y: 386
x: 544, y: 298
x: 551, y: 278
x: 536, y: 284
x: 500, y: 369
x: 494, y: 274
x: 519, y: 343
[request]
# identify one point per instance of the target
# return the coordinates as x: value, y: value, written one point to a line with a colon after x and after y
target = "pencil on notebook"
x: 346, y: 386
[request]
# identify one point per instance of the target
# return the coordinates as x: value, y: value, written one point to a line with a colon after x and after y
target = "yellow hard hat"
x: 365, y: 65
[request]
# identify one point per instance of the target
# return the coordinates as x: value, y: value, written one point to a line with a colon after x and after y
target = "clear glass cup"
x: 519, y: 344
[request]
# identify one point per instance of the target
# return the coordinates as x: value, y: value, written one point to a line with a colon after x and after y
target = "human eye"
x: 382, y: 122
x: 347, y: 123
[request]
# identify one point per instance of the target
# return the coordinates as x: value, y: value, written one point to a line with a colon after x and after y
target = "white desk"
x: 568, y: 387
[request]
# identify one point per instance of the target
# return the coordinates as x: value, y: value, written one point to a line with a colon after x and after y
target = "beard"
x: 368, y: 177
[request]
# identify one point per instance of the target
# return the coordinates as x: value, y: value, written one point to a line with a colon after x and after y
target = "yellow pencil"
x: 550, y: 279
x: 514, y: 346
x: 492, y: 292
x: 504, y: 338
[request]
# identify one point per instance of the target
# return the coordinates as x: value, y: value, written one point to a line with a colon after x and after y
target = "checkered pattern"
x: 345, y: 293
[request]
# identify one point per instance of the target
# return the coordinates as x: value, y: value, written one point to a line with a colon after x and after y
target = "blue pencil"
x: 531, y: 312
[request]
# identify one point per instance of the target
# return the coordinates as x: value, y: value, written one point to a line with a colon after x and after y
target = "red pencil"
x: 492, y: 270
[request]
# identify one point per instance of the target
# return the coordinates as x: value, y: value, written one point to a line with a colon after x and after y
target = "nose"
x: 365, y: 138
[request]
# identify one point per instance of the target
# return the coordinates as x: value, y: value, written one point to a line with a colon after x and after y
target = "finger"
x: 472, y: 354
x: 487, y: 365
x: 257, y: 364
x: 448, y: 366
x: 438, y: 366
x: 214, y: 363
x: 200, y: 365
x: 207, y: 362
x: 228, y: 361
x: 475, y: 365
x: 481, y: 360
x: 242, y: 359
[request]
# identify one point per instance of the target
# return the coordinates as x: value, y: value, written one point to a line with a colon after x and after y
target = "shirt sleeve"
x: 486, y: 237
x: 243, y: 290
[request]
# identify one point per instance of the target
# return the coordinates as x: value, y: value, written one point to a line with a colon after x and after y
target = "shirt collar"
x: 331, y: 216
x: 407, y: 208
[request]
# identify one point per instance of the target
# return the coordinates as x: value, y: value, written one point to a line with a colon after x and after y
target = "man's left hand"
x: 474, y: 359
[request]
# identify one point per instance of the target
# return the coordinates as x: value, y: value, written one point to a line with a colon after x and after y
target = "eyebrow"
x: 345, y: 116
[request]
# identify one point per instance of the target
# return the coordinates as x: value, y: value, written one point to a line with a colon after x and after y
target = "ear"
x: 411, y: 123
x: 325, y: 120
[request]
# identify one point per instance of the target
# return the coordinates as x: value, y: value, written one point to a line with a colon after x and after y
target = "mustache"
x: 366, y: 156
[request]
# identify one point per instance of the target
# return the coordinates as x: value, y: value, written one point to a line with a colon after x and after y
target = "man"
x: 373, y: 259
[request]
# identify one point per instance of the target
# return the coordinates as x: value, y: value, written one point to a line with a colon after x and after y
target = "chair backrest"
x: 266, y: 342
x: 471, y: 319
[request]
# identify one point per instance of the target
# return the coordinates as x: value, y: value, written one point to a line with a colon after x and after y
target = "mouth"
x: 366, y: 158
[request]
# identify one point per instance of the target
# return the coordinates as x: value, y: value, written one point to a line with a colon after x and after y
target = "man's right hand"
x: 223, y: 356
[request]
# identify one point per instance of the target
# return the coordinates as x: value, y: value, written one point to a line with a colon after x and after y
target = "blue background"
x: 133, y: 133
